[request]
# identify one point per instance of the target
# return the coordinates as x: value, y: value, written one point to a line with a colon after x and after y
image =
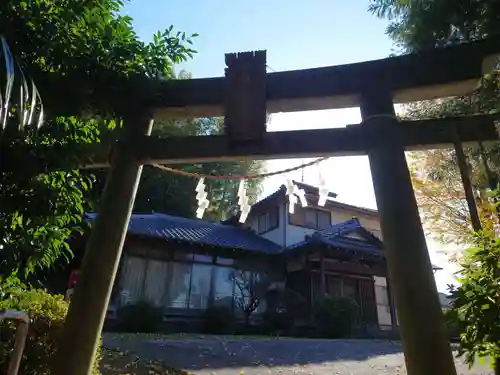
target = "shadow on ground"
x: 212, y: 352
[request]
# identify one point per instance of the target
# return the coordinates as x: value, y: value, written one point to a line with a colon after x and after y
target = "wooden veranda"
x: 243, y: 97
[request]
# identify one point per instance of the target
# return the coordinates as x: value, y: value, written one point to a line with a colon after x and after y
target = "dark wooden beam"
x: 427, y: 75
x: 87, y: 311
x: 463, y: 167
x: 351, y: 140
x: 322, y: 277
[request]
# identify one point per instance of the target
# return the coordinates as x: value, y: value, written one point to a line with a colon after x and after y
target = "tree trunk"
x: 247, y: 318
x: 496, y: 366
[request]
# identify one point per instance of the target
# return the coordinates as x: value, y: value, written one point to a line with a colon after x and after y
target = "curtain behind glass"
x: 200, y: 286
x: 155, y: 282
x: 179, y: 286
x: 132, y: 279
x: 224, y: 287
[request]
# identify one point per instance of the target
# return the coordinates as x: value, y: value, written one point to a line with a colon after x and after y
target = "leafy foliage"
x: 435, y: 174
x: 161, y: 191
x: 94, y: 50
x: 164, y: 192
x: 92, y: 47
x: 418, y: 25
x: 219, y: 320
x: 335, y: 316
x: 47, y: 313
x: 476, y: 302
x: 277, y: 321
x: 40, y: 209
x: 285, y: 308
x: 422, y: 24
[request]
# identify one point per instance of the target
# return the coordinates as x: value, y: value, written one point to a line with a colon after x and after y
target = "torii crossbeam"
x: 244, y: 96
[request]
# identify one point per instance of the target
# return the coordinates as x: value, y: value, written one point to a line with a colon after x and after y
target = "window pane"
x: 241, y: 295
x: 263, y: 222
x: 250, y: 287
x: 200, y: 286
x: 223, y: 287
x: 324, y: 221
x: 203, y: 258
x: 225, y: 261
x: 311, y: 218
x: 132, y: 279
x: 350, y: 288
x: 179, y: 285
x: 183, y: 256
x: 155, y: 285
x: 298, y: 217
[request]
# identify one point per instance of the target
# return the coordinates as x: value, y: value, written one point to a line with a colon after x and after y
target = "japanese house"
x: 185, y: 265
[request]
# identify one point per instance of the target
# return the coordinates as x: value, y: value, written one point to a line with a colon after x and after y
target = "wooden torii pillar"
x: 426, y: 347
x: 87, y: 310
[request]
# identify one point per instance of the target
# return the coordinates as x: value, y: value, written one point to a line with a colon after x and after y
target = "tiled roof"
x: 338, y: 236
x: 313, y: 190
x: 169, y: 227
x: 340, y: 230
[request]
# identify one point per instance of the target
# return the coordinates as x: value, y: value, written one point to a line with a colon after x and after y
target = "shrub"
x: 335, y: 316
x: 476, y: 301
x: 452, y: 327
x: 277, y: 321
x: 47, y: 313
x: 219, y: 320
x: 140, y: 317
x: 285, y: 309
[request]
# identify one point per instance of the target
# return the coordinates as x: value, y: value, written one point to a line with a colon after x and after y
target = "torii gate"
x: 244, y: 96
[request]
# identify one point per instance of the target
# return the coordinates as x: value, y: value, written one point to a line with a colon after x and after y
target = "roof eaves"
x: 363, y: 210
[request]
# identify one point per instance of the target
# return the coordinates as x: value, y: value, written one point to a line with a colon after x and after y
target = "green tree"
x: 174, y: 194
x: 476, y: 302
x: 98, y: 52
x: 224, y: 193
x: 435, y: 174
x: 422, y: 24
x: 418, y: 25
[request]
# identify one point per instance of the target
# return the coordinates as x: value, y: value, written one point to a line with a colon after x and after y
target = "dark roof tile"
x: 170, y: 227
x: 338, y: 236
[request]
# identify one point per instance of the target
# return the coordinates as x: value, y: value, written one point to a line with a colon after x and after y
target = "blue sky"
x: 296, y: 35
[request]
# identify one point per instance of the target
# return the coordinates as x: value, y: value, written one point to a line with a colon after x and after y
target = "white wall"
x: 368, y: 222
x: 296, y: 234
x: 276, y: 235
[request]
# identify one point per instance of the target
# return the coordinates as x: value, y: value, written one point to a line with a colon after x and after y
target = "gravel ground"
x: 212, y: 355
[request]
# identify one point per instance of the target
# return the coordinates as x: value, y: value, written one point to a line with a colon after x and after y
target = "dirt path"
x: 225, y: 356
